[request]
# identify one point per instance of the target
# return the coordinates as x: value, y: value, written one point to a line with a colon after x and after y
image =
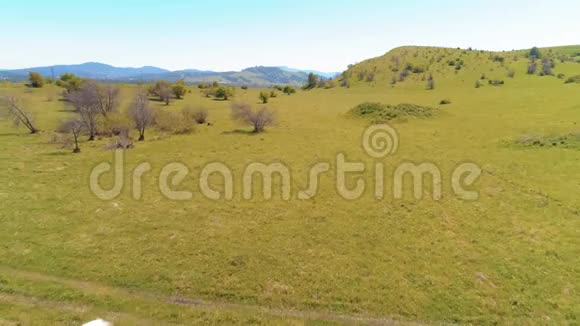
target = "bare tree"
x: 163, y: 89
x: 86, y: 102
x: 21, y: 116
x: 259, y: 119
x: 73, y: 126
x: 141, y: 113
x: 109, y: 98
x: 165, y: 94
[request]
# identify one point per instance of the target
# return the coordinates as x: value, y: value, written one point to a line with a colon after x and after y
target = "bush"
x: 259, y: 119
x: 330, y: 84
x: 573, y: 79
x: 179, y: 89
x: 380, y: 113
x: 288, y: 90
x: 532, y: 68
x: 173, y: 122
x: 114, y: 125
x: 223, y: 92
x: 36, y: 80
x: 244, y: 87
x: 198, y: 115
x: 445, y: 101
x: 264, y: 97
x: 511, y: 73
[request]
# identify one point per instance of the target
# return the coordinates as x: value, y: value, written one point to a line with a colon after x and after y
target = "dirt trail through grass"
x: 139, y: 296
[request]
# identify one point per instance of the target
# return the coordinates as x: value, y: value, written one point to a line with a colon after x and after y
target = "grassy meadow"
x: 511, y: 257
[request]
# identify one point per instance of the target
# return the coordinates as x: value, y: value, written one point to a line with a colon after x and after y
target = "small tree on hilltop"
x: 36, y: 80
x: 264, y: 97
x: 141, y: 114
x: 535, y: 53
x: 259, y: 119
x: 179, y: 89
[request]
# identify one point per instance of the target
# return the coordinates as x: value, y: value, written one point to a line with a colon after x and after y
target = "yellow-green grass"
x: 513, y: 256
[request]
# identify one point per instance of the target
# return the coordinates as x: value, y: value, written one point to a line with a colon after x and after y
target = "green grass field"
x: 511, y: 257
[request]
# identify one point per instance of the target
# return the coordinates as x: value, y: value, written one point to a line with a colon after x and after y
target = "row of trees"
x: 96, y: 106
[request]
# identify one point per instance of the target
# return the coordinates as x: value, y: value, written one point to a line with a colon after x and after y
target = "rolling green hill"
x: 411, y: 66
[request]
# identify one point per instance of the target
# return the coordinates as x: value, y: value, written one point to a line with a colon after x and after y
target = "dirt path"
x: 101, y: 289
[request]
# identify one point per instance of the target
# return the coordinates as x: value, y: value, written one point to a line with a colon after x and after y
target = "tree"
x: 20, y: 115
x: 73, y: 126
x: 36, y: 80
x: 108, y: 98
x: 430, y: 83
x: 163, y: 90
x: 312, y: 81
x: 289, y: 90
x: 547, y: 66
x: 69, y: 82
x: 224, y: 92
x: 87, y: 103
x: 179, y: 89
x: 532, y: 68
x: 259, y: 119
x: 535, y: 53
x: 141, y: 114
x: 264, y: 96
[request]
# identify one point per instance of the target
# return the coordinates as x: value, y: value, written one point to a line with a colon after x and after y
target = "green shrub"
x: 573, y: 79
x: 379, y: 112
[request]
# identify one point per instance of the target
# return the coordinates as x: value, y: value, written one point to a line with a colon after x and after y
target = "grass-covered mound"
x: 571, y: 140
x: 379, y: 112
x: 573, y: 79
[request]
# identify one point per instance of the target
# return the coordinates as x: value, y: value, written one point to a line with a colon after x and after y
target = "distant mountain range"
x: 255, y: 76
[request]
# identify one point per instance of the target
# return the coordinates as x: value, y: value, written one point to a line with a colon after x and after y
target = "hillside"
x: 255, y: 76
x: 411, y: 67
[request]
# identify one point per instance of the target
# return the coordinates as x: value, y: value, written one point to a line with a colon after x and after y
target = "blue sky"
x: 230, y: 35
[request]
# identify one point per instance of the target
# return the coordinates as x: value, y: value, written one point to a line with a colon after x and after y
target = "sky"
x: 326, y: 35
